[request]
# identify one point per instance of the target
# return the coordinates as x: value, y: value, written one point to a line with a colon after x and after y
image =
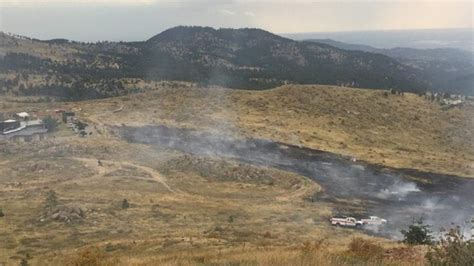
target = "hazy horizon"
x: 126, y: 20
x: 294, y: 35
x: 459, y: 38
x: 416, y: 38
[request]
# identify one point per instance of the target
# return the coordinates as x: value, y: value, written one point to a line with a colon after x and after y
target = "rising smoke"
x: 387, y: 192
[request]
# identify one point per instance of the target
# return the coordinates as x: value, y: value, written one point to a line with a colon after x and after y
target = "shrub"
x: 311, y: 247
x: 452, y: 249
x: 365, y: 250
x: 125, y: 204
x: 50, y: 123
x: 417, y: 234
x: 24, y: 262
x: 1, y: 213
x: 90, y: 256
x: 81, y: 126
x: 51, y: 199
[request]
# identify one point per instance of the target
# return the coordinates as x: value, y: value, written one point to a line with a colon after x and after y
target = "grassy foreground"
x: 359, y: 251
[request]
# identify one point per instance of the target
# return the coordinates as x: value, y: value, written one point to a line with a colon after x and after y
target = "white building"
x: 23, y: 116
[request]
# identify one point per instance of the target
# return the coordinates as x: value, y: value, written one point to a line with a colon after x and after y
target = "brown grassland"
x: 191, y: 210
x: 397, y: 131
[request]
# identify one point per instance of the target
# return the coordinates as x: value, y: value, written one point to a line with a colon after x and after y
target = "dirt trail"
x: 110, y: 166
x: 307, y: 188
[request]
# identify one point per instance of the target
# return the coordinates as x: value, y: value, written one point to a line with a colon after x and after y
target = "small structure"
x: 68, y: 116
x: 449, y: 103
x: 9, y: 125
x: 22, y: 116
x: 24, y: 131
x: 37, y: 124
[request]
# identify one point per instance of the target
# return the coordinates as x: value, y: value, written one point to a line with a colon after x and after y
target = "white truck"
x: 345, y: 221
x: 373, y: 220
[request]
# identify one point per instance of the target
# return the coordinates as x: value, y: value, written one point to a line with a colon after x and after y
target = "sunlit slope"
x: 399, y: 131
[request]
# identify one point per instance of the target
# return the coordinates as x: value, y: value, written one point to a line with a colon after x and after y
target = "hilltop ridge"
x: 235, y: 58
x: 255, y: 59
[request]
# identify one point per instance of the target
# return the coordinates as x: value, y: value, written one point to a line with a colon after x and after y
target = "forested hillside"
x: 236, y: 58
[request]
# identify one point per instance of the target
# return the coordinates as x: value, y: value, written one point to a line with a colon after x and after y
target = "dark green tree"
x: 50, y: 123
x: 417, y: 234
x: 51, y: 199
x: 125, y: 204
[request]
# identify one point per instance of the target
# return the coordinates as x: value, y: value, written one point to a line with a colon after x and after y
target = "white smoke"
x: 399, y: 190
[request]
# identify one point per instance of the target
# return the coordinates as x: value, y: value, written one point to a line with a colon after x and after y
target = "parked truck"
x: 345, y: 221
x: 373, y: 220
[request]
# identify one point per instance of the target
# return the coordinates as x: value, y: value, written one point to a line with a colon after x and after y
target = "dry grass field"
x: 397, y: 131
x: 178, y: 204
x: 62, y: 206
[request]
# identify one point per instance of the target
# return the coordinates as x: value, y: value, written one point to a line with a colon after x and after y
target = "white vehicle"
x: 346, y: 221
x: 373, y: 220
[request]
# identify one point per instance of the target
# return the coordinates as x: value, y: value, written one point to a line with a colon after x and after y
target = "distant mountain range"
x: 460, y: 38
x: 235, y: 58
x: 442, y: 67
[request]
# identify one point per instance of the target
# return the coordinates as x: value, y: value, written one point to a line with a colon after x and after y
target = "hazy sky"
x: 91, y: 20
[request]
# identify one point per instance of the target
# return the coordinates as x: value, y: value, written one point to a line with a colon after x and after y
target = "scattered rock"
x: 65, y: 214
